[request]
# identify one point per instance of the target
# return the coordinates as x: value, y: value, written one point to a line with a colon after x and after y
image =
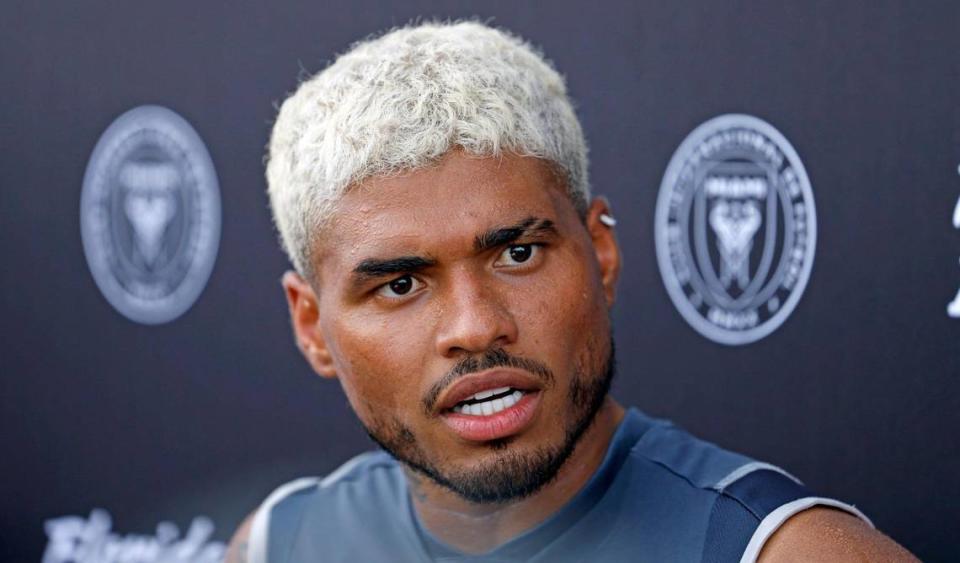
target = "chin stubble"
x: 510, y: 475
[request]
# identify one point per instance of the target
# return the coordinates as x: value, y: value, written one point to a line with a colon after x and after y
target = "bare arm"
x: 237, y: 550
x: 826, y: 534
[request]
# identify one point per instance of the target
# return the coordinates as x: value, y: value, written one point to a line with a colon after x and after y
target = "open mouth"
x: 491, y: 405
x: 493, y: 414
x: 491, y: 401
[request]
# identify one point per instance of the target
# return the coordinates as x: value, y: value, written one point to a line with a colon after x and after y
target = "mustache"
x: 497, y: 357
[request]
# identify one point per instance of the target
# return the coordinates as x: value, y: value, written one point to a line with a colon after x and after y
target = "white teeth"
x: 487, y: 408
x: 489, y: 393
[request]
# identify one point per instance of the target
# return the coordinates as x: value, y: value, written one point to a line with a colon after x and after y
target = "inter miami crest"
x: 735, y: 229
x: 150, y: 215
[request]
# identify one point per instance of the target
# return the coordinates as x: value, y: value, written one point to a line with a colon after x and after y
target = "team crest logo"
x: 735, y: 229
x: 150, y: 215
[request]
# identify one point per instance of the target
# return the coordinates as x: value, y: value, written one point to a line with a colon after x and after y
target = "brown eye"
x: 398, y: 287
x: 521, y: 253
x: 401, y: 286
x: 517, y: 254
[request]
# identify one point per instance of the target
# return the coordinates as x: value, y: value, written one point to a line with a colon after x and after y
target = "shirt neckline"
x: 529, y: 543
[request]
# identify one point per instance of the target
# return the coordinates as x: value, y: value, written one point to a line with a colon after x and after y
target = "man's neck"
x: 477, y: 528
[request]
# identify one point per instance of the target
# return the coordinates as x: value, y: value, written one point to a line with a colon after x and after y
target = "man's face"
x: 464, y: 309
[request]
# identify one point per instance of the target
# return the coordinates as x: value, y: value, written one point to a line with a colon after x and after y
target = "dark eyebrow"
x: 499, y: 236
x: 377, y: 268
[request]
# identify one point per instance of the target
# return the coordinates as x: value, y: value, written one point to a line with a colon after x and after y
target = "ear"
x: 305, y: 316
x: 600, y: 225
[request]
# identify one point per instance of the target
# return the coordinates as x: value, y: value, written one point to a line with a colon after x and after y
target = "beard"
x: 509, y: 475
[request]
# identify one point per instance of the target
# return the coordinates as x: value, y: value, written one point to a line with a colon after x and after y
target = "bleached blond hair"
x: 401, y: 101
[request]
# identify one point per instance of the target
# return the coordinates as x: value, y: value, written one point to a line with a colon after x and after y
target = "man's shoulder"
x: 822, y: 534
x: 691, y: 460
x: 729, y: 503
x: 366, y: 490
x: 675, y: 456
x: 370, y: 474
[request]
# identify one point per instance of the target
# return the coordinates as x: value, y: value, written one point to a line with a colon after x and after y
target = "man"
x: 454, y: 274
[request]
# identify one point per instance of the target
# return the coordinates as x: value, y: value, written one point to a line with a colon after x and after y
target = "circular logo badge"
x: 150, y: 215
x: 735, y: 229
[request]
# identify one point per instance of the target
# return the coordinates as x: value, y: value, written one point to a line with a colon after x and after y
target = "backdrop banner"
x: 784, y: 178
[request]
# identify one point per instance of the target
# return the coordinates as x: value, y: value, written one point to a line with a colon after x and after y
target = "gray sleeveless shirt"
x: 659, y: 495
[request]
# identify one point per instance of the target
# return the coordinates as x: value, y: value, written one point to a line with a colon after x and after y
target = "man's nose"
x: 474, y: 319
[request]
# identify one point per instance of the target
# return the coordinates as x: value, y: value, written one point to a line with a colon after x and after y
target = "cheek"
x: 376, y: 363
x: 565, y: 305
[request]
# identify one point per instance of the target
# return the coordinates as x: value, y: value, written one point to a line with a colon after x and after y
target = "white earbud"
x: 608, y: 220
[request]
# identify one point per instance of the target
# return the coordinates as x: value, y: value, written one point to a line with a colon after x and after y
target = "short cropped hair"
x: 401, y: 101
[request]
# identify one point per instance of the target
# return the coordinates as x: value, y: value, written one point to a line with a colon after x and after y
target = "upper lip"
x: 473, y: 383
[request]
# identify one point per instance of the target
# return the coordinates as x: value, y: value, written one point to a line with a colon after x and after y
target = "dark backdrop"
x: 857, y: 393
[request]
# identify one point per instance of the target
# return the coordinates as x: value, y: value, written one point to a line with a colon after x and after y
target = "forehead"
x: 446, y: 205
